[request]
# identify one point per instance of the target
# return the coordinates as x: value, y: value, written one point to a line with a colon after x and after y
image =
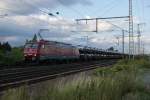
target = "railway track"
x: 15, y: 77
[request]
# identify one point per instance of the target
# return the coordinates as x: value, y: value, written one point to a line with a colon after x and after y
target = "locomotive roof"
x: 52, y: 42
x: 56, y: 42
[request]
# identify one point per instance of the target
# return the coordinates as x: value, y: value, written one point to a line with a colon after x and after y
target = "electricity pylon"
x: 131, y: 33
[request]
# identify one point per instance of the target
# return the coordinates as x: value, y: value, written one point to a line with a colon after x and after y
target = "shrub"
x: 15, y: 55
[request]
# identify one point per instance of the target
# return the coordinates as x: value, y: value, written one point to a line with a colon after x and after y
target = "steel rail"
x: 37, y: 76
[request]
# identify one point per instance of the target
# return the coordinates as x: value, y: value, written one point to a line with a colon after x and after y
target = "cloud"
x: 25, y: 18
x: 8, y: 38
x: 71, y: 2
x: 24, y: 27
x: 91, y: 26
x: 26, y: 7
x: 19, y: 25
x: 23, y: 23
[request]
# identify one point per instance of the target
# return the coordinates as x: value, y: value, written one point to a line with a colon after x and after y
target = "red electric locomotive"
x: 50, y: 50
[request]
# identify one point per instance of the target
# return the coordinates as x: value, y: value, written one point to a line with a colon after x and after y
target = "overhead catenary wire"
x: 9, y: 10
x: 42, y: 11
x: 33, y: 6
x: 143, y: 9
x: 112, y: 24
x: 109, y: 9
x: 107, y: 5
x: 141, y: 15
x: 48, y: 13
x: 138, y: 9
x: 70, y: 8
x: 103, y: 19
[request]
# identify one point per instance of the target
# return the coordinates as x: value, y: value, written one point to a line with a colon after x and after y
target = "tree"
x: 34, y: 38
x: 6, y: 47
x: 0, y: 46
x: 111, y: 49
x: 27, y: 40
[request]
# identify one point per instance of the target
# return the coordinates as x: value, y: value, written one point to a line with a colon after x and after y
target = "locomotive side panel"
x: 48, y: 51
x: 58, y: 51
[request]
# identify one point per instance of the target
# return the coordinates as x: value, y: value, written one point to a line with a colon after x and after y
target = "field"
x: 127, y: 80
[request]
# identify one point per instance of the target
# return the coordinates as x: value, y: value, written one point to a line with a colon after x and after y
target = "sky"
x: 21, y: 19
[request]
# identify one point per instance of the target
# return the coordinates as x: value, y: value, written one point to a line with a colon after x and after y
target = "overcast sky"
x: 24, y: 18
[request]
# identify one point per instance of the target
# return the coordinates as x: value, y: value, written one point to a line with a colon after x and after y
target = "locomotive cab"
x: 31, y: 51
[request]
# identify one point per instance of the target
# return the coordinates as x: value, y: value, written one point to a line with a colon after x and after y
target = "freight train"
x: 51, y: 50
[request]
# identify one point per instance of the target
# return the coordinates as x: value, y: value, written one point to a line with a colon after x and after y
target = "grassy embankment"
x: 121, y: 82
x: 8, y: 58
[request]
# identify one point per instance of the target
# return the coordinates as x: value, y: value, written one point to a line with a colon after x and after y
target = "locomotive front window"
x: 31, y: 46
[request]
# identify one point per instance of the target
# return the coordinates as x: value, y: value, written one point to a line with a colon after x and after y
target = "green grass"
x: 120, y: 82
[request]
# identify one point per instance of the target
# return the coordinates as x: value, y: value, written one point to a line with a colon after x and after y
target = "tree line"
x: 5, y: 46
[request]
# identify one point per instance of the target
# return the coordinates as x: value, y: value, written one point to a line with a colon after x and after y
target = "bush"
x: 7, y: 58
x: 129, y: 66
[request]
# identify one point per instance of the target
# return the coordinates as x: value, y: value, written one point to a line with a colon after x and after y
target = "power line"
x: 138, y: 38
x: 110, y: 8
x: 96, y: 19
x: 120, y: 17
x: 33, y: 6
x: 9, y: 10
x: 107, y: 5
x: 2, y: 16
x: 70, y: 8
x: 50, y: 14
x: 143, y: 9
x: 138, y: 9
